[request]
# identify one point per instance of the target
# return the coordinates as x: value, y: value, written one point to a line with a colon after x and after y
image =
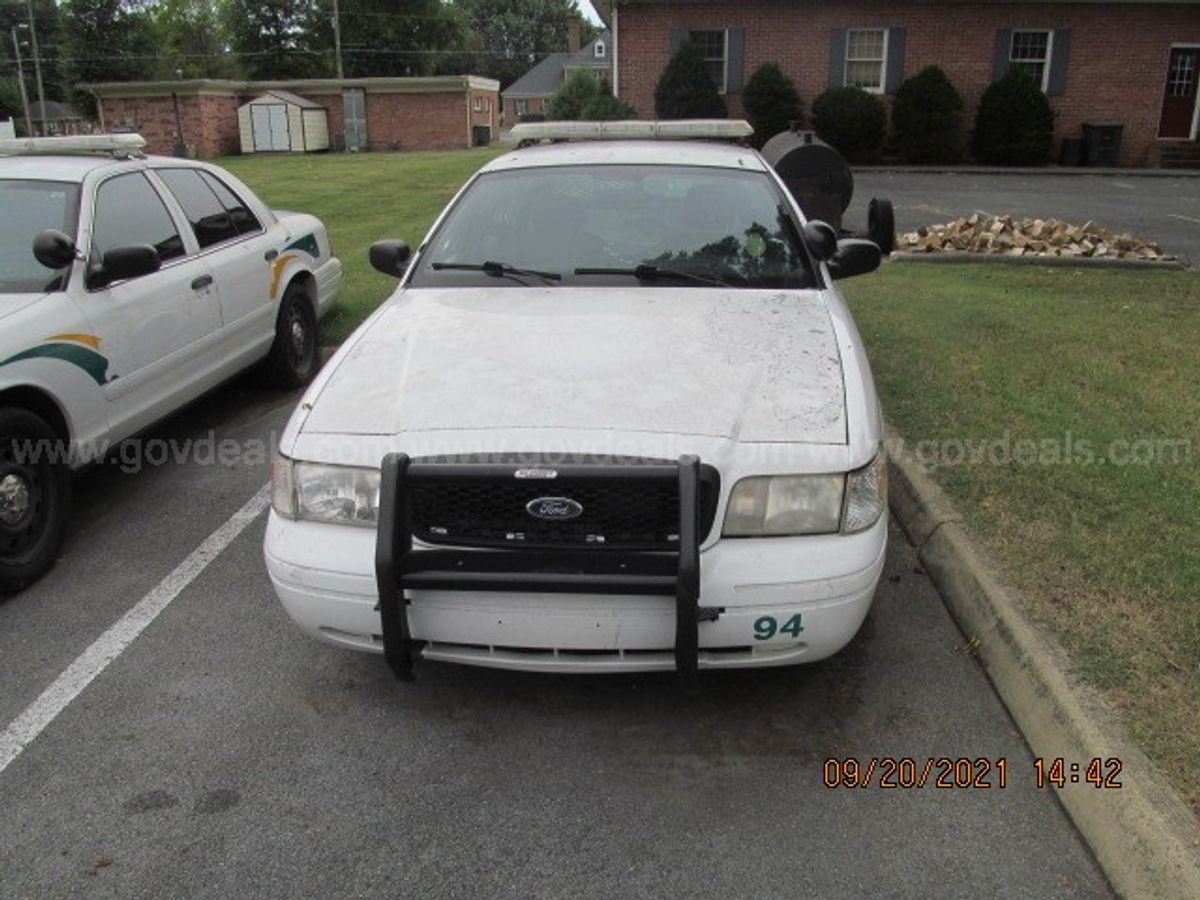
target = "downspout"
x: 99, y: 110
x: 180, y: 147
x: 616, y: 54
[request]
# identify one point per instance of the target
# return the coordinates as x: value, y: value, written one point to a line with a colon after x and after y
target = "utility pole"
x: 21, y: 82
x: 37, y: 63
x: 337, y: 38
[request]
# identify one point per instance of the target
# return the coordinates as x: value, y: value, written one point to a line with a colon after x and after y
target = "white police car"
x: 616, y: 417
x: 129, y: 286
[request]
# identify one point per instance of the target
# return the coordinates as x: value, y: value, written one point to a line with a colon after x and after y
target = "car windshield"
x: 687, y: 226
x: 26, y: 208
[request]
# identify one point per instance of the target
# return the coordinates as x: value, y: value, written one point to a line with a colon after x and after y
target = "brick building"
x: 1130, y: 62
x: 363, y: 113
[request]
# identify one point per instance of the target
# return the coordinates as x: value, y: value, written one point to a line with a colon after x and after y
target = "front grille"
x: 618, y: 513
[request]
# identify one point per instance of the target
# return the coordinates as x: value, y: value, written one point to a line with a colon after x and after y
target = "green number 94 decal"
x: 767, y: 627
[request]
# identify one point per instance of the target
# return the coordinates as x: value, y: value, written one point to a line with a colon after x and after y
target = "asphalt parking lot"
x: 223, y: 754
x: 1161, y: 209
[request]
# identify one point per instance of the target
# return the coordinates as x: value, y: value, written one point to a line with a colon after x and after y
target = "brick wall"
x: 533, y: 105
x: 485, y: 110
x: 434, y: 121
x: 1116, y: 72
x: 209, y: 122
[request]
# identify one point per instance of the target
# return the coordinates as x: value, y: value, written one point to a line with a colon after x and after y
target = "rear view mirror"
x: 820, y: 239
x: 854, y: 257
x: 390, y: 257
x: 53, y: 249
x: 121, y: 263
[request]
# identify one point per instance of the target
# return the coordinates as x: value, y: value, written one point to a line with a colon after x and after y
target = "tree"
x: 1014, y: 125
x: 851, y: 120
x: 105, y: 40
x: 685, y: 90
x: 587, y: 95
x: 192, y: 41
x: 772, y: 103
x: 47, y: 22
x: 927, y: 119
x: 397, y: 37
x: 507, y: 37
x: 276, y: 39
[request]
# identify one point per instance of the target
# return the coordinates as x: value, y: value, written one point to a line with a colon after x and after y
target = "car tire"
x: 881, y: 224
x: 35, y: 498
x: 295, y: 354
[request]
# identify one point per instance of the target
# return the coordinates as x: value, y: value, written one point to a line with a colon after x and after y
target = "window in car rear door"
x: 243, y: 219
x: 209, y: 219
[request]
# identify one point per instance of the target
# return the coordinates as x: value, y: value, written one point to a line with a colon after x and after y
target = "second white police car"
x: 616, y: 417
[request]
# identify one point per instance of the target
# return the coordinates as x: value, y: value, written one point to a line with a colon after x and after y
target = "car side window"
x: 209, y: 219
x: 130, y: 211
x: 243, y: 219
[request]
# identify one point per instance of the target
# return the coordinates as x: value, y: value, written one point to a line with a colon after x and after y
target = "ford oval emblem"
x: 554, y: 509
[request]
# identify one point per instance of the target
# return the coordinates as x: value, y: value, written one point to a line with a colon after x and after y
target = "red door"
x: 1179, y: 100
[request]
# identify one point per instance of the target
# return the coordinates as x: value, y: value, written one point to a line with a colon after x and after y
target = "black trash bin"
x: 1102, y: 143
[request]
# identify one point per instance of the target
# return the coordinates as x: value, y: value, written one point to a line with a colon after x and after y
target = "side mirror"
x: 821, y: 239
x: 854, y: 257
x: 390, y: 257
x: 121, y: 263
x: 53, y: 249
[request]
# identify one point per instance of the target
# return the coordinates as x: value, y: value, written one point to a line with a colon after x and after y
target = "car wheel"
x: 294, y: 356
x: 881, y: 224
x: 35, y: 496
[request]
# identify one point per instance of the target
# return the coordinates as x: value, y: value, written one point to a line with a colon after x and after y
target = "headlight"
x: 342, y: 495
x: 866, y: 495
x: 785, y: 504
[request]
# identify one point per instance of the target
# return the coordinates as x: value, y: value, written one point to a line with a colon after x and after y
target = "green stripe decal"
x: 84, y: 357
x: 308, y: 244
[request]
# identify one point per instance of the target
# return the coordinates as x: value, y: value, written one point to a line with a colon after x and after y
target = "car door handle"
x: 202, y: 282
x: 270, y: 255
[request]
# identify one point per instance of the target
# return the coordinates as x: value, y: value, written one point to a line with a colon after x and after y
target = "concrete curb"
x: 1143, y: 835
x: 1038, y: 172
x: 1081, y: 262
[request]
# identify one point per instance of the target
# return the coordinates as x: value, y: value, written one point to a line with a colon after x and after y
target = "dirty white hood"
x: 735, y: 364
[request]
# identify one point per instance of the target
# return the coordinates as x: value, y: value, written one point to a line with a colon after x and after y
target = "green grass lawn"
x: 1078, y: 392
x: 982, y: 359
x: 361, y: 198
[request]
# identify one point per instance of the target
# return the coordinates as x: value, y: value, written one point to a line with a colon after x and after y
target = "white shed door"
x: 270, y: 126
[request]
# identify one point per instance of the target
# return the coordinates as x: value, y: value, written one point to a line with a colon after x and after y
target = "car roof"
x: 76, y: 166
x: 628, y: 152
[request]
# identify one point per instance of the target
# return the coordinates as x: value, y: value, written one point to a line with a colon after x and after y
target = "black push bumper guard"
x: 398, y: 566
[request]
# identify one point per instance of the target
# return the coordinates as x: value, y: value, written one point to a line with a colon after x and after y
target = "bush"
x: 587, y: 95
x: 1015, y: 124
x: 927, y: 119
x: 772, y: 103
x: 852, y: 120
x: 685, y: 90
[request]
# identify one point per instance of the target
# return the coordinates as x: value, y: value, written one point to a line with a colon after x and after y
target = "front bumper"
x: 325, y: 577
x: 329, y: 284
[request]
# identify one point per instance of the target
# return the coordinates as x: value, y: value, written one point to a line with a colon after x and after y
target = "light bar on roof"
x: 126, y: 144
x: 680, y: 129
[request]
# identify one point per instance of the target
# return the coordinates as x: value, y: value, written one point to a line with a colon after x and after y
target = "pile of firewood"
x: 980, y: 233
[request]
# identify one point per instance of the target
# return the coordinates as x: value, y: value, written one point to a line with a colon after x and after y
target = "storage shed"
x: 281, y: 121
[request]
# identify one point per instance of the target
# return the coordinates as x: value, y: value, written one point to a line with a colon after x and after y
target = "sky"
x: 588, y: 11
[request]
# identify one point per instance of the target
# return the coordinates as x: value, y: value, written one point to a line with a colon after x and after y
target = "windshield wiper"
x: 496, y: 270
x: 647, y: 272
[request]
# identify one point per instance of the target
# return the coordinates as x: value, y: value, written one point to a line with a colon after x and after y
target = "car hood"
x: 11, y: 303
x: 736, y: 364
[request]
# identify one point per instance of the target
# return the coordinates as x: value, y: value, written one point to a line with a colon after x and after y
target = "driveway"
x: 1165, y: 210
x: 221, y: 754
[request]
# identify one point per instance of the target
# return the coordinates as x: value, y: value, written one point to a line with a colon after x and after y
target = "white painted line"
x: 106, y: 648
x: 1185, y: 218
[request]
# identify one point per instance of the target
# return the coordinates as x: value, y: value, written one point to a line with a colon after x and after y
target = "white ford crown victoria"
x: 128, y: 287
x: 616, y: 417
